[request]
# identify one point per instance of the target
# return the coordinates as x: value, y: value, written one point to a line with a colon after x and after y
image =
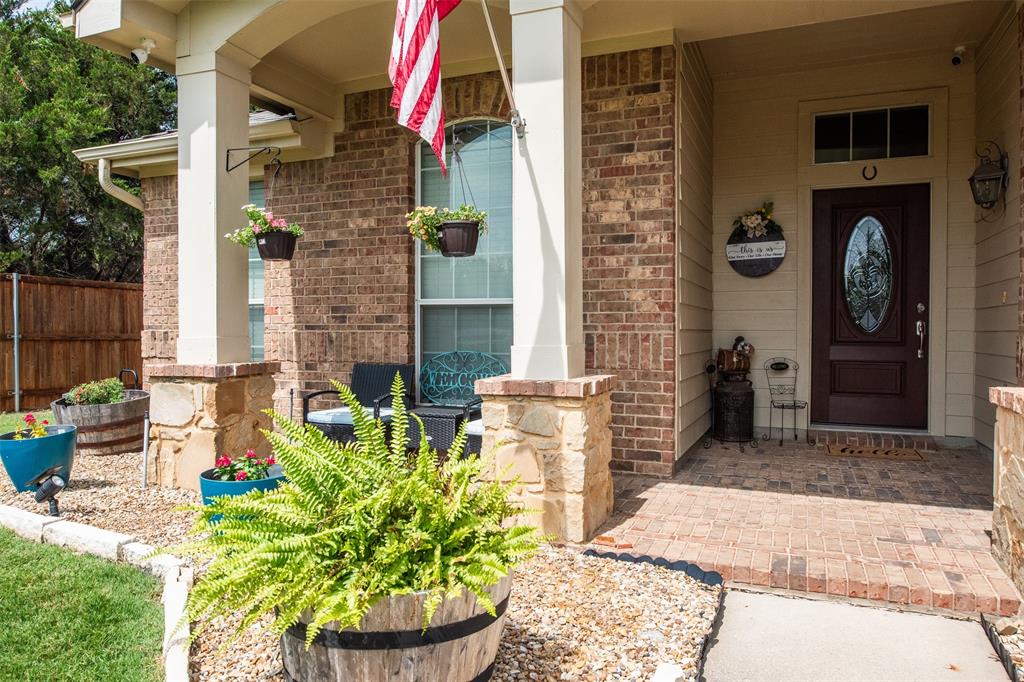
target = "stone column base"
x: 556, y: 437
x: 198, y: 412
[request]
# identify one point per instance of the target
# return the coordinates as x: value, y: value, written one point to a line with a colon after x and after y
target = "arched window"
x: 466, y: 303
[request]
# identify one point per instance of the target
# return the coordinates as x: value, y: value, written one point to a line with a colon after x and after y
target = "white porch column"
x: 213, y: 116
x: 547, y: 191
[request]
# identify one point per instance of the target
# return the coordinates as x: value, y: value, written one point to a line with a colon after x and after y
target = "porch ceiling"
x: 352, y: 46
x: 794, y: 48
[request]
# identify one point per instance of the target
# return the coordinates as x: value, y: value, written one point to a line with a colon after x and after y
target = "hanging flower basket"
x: 276, y: 245
x: 273, y: 237
x: 454, y: 234
x: 458, y: 238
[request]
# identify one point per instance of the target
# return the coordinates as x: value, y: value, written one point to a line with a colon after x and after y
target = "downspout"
x: 113, y: 190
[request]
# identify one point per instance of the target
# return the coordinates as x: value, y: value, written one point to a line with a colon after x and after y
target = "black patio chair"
x: 782, y: 383
x: 449, y: 397
x: 371, y: 384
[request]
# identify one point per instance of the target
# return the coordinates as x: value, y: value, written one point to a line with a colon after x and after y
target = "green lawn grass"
x: 75, y: 618
x: 9, y: 421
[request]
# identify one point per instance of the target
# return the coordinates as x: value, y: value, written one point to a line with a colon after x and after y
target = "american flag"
x: 415, y: 69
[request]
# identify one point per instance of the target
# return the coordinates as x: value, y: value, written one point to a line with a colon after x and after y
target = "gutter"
x: 113, y: 190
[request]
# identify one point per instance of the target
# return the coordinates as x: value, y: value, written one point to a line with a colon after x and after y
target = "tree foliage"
x: 58, y: 94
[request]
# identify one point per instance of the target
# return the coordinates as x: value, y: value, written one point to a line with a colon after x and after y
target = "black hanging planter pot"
x: 458, y: 238
x: 276, y: 245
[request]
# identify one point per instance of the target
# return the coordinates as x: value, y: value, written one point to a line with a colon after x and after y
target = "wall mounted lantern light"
x: 991, y: 177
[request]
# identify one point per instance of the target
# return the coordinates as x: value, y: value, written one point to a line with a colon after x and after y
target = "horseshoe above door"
x: 864, y: 172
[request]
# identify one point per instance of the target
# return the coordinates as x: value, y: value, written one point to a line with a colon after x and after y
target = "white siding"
x: 693, y: 213
x: 997, y: 235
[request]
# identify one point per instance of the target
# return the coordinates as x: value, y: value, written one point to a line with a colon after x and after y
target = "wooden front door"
x: 869, y: 347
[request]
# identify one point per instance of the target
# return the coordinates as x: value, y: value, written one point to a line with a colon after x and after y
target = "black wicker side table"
x: 440, y: 423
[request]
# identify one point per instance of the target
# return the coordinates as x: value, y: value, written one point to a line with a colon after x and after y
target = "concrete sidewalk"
x: 776, y: 638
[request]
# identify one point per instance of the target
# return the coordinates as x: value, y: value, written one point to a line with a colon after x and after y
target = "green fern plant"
x: 353, y: 524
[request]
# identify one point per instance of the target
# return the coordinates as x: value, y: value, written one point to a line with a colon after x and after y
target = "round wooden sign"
x: 755, y: 256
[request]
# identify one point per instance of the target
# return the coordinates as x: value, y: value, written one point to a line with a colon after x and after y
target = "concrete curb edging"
x: 86, y: 539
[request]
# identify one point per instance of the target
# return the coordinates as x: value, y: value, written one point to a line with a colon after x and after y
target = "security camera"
x: 140, y: 54
x: 958, y: 55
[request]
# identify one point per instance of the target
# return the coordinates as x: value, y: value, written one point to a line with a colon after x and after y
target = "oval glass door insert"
x: 867, y: 273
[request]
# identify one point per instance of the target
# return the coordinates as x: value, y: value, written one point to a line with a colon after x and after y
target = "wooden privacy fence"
x: 70, y: 331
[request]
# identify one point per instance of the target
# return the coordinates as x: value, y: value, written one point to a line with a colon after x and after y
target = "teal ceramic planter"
x: 211, y: 487
x: 27, y: 458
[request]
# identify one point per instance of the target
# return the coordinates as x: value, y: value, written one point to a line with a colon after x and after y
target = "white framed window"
x: 868, y: 134
x: 257, y: 195
x: 466, y: 303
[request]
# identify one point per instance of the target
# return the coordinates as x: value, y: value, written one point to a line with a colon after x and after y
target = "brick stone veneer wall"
x: 160, y: 270
x: 1008, y: 493
x: 349, y: 293
x: 629, y: 249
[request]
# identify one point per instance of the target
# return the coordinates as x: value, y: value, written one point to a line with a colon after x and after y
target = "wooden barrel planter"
x: 106, y: 429
x: 459, y: 646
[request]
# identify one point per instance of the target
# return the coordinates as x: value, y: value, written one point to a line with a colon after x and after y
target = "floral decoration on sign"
x: 260, y: 222
x: 756, y: 223
x: 251, y: 467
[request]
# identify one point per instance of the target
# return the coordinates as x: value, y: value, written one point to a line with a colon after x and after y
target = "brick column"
x: 199, y: 412
x: 555, y: 436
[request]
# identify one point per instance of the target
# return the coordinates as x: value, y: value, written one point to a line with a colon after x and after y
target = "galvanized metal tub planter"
x: 459, y: 646
x: 212, y: 487
x: 458, y: 238
x: 276, y: 245
x: 106, y: 429
x: 25, y: 459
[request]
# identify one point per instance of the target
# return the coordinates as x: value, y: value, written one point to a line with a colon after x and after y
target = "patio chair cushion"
x: 341, y: 415
x: 475, y: 427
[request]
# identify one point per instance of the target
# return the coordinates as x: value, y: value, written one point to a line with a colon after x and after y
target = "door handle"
x: 922, y: 331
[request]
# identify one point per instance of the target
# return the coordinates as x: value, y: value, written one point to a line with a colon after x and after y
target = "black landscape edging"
x: 1012, y: 671
x: 692, y: 570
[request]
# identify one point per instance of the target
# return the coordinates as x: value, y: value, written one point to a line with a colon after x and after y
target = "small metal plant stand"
x: 782, y: 383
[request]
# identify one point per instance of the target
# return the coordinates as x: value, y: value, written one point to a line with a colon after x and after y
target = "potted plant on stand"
x: 367, y: 553
x: 28, y: 452
x: 452, y: 233
x: 273, y: 237
x: 239, y: 476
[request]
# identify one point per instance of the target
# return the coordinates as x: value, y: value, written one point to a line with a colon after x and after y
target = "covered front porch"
x: 605, y: 283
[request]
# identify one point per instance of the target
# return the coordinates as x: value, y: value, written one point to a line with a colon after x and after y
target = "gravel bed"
x: 106, y: 491
x: 571, y: 617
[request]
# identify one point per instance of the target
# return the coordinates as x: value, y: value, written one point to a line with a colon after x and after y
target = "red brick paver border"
x: 793, y: 518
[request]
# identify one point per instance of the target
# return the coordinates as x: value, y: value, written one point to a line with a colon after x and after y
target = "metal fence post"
x: 16, y: 312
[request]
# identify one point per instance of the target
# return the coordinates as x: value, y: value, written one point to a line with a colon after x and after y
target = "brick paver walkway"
x: 791, y: 517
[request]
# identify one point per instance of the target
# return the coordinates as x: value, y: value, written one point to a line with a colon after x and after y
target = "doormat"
x: 902, y: 454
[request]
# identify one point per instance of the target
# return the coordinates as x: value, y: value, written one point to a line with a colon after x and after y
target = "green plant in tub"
x: 102, y: 392
x: 355, y: 523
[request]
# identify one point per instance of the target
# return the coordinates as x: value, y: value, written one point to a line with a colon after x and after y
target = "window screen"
x: 466, y: 303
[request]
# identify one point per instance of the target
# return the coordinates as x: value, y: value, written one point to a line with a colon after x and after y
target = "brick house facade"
x: 349, y: 293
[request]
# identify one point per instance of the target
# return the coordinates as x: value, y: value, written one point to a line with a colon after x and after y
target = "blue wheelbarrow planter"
x: 212, y: 487
x: 27, y: 458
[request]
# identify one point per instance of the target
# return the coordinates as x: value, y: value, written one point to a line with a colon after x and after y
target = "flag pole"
x: 518, y: 122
